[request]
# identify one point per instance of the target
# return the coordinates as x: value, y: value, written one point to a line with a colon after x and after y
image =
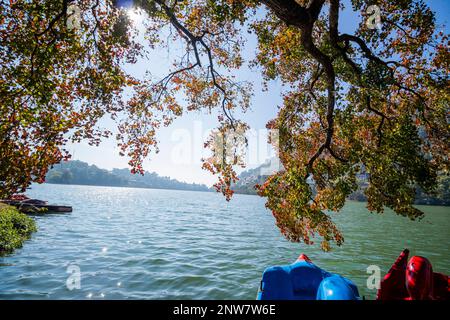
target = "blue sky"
x: 181, y: 144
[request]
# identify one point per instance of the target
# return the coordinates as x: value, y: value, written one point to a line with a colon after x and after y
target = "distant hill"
x: 79, y: 172
x: 249, y: 178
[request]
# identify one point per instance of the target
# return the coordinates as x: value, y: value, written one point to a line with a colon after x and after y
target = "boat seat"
x: 298, y: 281
x: 303, y: 280
x: 306, y: 279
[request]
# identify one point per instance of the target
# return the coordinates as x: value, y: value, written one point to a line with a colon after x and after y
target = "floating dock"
x: 36, y: 206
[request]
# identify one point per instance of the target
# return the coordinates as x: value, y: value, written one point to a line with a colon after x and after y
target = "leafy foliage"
x: 15, y: 228
x: 374, y: 102
x: 55, y: 83
x: 440, y: 196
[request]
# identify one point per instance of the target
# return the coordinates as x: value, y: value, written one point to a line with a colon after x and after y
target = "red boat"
x: 413, y: 280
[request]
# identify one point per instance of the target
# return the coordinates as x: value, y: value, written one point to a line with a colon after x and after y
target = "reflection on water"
x: 164, y: 244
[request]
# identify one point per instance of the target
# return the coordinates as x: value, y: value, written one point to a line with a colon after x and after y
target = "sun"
x: 135, y: 16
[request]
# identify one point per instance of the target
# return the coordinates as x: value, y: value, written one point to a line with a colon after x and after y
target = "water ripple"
x: 160, y: 244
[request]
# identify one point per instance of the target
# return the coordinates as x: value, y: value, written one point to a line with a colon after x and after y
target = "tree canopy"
x: 373, y: 102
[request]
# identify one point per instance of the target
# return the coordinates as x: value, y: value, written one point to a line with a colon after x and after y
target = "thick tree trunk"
x: 293, y: 13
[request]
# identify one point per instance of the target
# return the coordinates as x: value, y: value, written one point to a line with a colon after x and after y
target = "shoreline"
x: 115, y: 186
x: 207, y: 191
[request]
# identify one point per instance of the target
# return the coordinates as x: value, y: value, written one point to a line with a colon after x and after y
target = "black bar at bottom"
x: 209, y: 309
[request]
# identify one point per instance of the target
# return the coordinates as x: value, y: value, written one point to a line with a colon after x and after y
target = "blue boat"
x: 303, y: 280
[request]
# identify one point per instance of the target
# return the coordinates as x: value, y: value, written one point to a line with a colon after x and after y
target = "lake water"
x: 164, y: 244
